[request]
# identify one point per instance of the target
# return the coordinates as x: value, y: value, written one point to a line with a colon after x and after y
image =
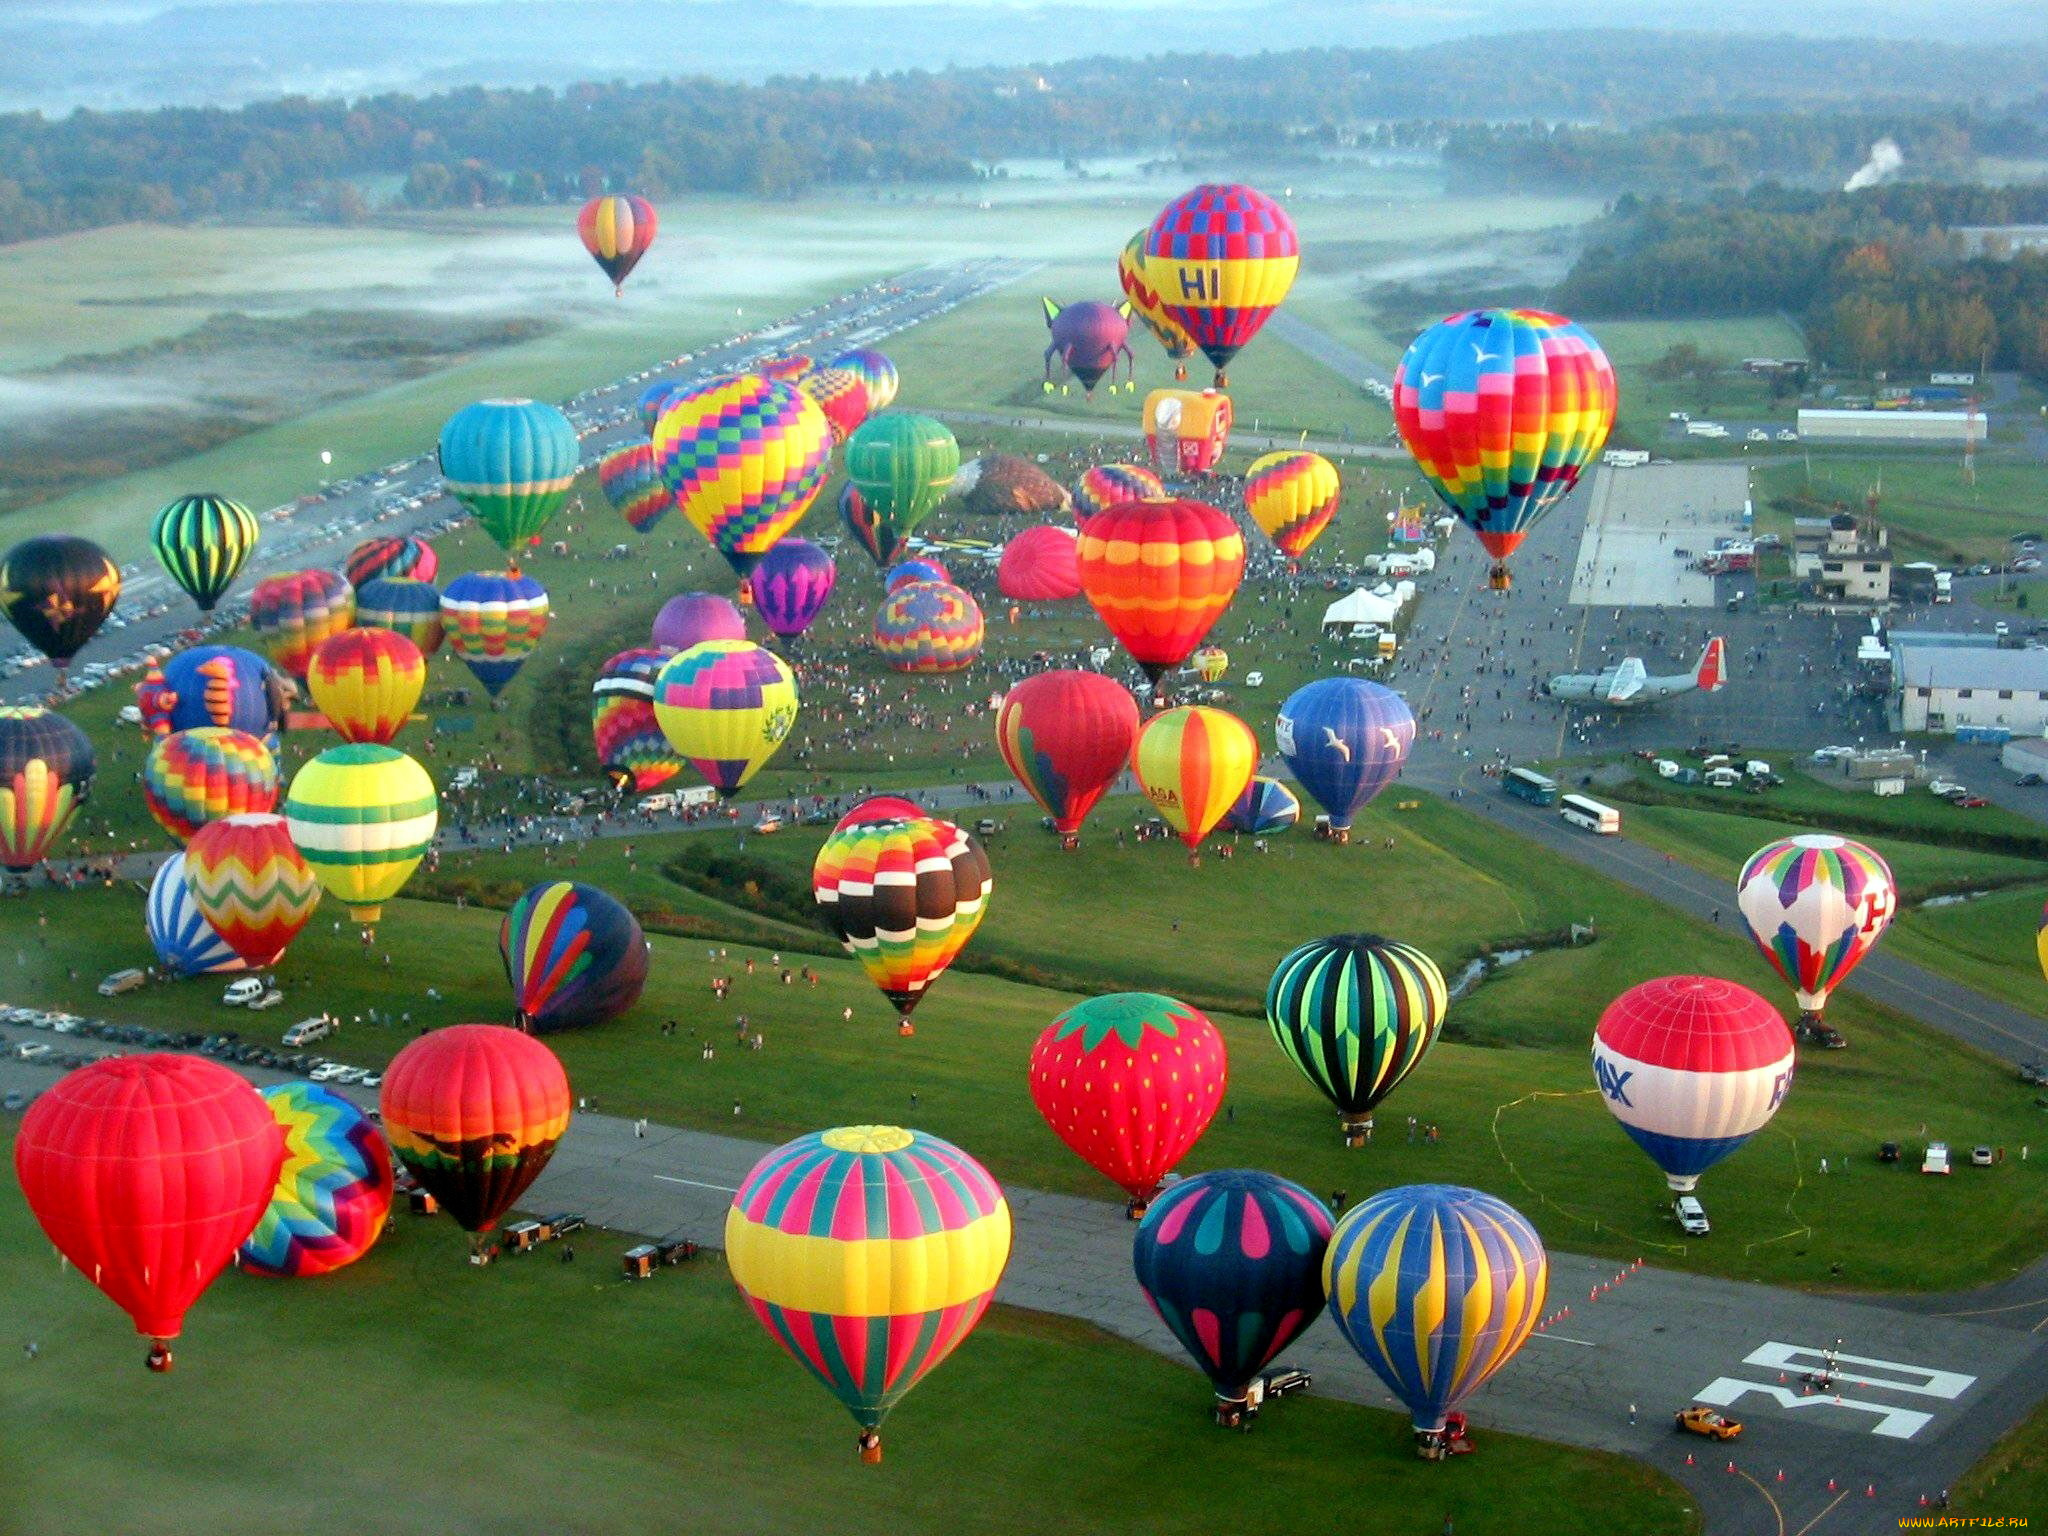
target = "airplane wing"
x: 1626, y: 681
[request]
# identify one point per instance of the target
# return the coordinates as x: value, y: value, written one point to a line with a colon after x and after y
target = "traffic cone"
x: 1781, y: 1378
x: 1731, y: 1469
x: 1870, y: 1490
x: 1923, y: 1501
x: 1833, y: 1487
x: 1781, y: 1474
x: 1688, y: 1458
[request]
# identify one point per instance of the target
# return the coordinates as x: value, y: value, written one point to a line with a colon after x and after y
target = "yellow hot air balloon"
x: 1193, y: 763
x: 366, y: 682
x: 1292, y: 497
x: 364, y: 816
x: 726, y: 706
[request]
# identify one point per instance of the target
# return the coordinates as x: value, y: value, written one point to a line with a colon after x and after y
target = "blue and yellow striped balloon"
x: 1436, y: 1286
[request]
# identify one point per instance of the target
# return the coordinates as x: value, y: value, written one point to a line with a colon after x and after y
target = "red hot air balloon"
x: 1160, y: 573
x: 1066, y: 736
x: 1130, y: 1081
x: 147, y: 1172
x: 617, y: 232
x: 880, y: 808
x: 1041, y: 565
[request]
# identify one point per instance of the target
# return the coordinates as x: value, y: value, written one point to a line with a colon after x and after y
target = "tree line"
x: 1879, y: 278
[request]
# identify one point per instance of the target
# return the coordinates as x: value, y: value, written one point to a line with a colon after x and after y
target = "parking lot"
x: 1646, y: 528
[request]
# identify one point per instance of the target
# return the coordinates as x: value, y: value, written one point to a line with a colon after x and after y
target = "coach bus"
x: 1590, y: 814
x: 1532, y: 787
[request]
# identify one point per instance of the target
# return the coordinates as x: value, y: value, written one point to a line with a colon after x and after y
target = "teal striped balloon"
x: 1356, y: 1013
x: 203, y: 541
x: 511, y: 462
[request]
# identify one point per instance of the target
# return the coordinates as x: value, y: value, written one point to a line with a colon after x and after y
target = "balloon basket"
x: 1340, y: 835
x: 1234, y: 1413
x: 1357, y: 1132
x: 904, y: 1028
x: 159, y: 1359
x: 1135, y: 1209
x: 1070, y: 843
x: 1498, y: 579
x: 871, y: 1449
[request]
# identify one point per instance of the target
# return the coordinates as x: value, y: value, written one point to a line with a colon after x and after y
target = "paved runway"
x: 1647, y: 527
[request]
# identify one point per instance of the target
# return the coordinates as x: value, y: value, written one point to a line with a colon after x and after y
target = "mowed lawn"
x: 413, y: 1393
x: 1932, y: 509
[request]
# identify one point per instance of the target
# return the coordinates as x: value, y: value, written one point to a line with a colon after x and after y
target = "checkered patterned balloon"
x: 744, y: 457
x: 1221, y: 259
x: 633, y: 485
x: 929, y: 626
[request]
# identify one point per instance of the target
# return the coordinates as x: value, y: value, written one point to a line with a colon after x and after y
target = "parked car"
x: 1888, y: 1152
x: 1705, y: 1421
x: 122, y: 981
x: 1980, y: 1157
x: 1692, y: 1216
x: 1936, y: 1160
x: 30, y: 1050
x: 270, y: 999
x: 242, y: 991
x: 306, y: 1031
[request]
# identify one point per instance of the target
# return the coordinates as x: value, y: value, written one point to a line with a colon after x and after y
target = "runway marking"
x: 1769, y: 1498
x: 2017, y: 1306
x: 723, y: 1189
x: 1816, y: 1520
x: 1563, y: 1339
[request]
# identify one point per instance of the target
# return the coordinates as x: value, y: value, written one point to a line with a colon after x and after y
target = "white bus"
x: 1590, y: 814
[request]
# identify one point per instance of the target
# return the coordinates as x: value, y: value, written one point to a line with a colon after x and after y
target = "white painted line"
x: 1564, y: 1339
x: 723, y: 1189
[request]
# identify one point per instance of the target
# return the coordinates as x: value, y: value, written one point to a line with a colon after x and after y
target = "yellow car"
x: 1705, y: 1421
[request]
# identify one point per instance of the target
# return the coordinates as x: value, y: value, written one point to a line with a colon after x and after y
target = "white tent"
x: 1359, y: 609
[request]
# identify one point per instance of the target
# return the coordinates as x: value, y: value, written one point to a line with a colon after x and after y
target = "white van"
x: 122, y: 981
x: 657, y: 805
x: 243, y: 991
x: 1692, y: 1216
x: 1723, y: 778
x: 1666, y: 768
x: 306, y: 1031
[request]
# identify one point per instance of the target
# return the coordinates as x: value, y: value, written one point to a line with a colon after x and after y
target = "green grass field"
x: 426, y: 1396
x: 1932, y: 510
x: 2012, y: 1479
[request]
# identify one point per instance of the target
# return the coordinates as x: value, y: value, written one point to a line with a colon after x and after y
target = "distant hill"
x: 54, y: 56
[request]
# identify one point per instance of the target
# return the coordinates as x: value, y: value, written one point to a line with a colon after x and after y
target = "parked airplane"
x: 1628, y: 684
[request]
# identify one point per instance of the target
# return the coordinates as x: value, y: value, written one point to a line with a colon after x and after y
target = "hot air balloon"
x: 1192, y: 764
x: 390, y: 556
x: 1345, y: 740
x: 1210, y: 663
x: 475, y: 1111
x: 633, y: 485
x: 333, y: 1191
x: 1066, y: 736
x: 1356, y: 1013
x: 1232, y: 1261
x: 364, y: 816
x: 630, y: 746
x: 192, y: 777
x: 511, y: 462
x: 789, y: 367
x: 653, y: 401
x: 294, y: 612
x: 875, y: 370
x: 251, y: 884
x: 1436, y: 1286
x: 880, y: 541
x: 904, y: 572
x: 220, y: 685
x: 880, y: 808
x: 183, y: 939
x: 1160, y: 574
x: 1088, y: 340
x: 146, y: 1172
x: 1195, y: 425
x: 617, y: 232
x: 929, y: 626
x: 691, y: 618
x: 203, y: 541
x: 494, y: 620
x: 57, y: 590
x: 791, y: 584
x: 1105, y: 485
x: 903, y: 897
x: 1502, y: 408
x: 1292, y: 497
x: 1041, y: 565
x: 574, y: 956
x: 1265, y: 807
x: 902, y: 466
x: 46, y: 769
x: 1221, y: 258
x: 841, y: 394
x: 868, y: 1253
x: 1692, y: 1067
x: 367, y: 683
x: 1129, y: 1081
x: 726, y: 706
x: 2041, y: 942
x: 1148, y: 307
x: 405, y: 605
x: 744, y: 458
x: 1815, y: 906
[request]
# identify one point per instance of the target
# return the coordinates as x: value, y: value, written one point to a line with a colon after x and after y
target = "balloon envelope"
x: 1192, y: 764
x: 1232, y: 1261
x: 633, y: 485
x: 494, y: 621
x: 1129, y: 1081
x: 333, y: 1191
x: 294, y: 612
x: 691, y: 618
x: 1160, y: 574
x: 192, y: 777
x: 1221, y: 259
x: 203, y: 542
x: 1066, y: 736
x: 1356, y: 1013
x: 791, y: 585
x: 617, y: 232
x: 220, y: 685
x: 46, y: 773
x: 630, y: 745
x: 57, y: 590
x: 146, y: 1172
x: 1345, y: 739
x: 868, y: 1253
x: 1292, y: 497
x: 726, y: 706
x: 364, y: 816
x: 574, y: 956
x: 904, y: 572
x: 1692, y: 1067
x: 1815, y: 905
x: 902, y: 465
x: 367, y: 683
x: 395, y: 555
x: 475, y: 1112
x: 929, y: 626
x: 183, y: 939
x: 406, y: 605
x: 1105, y: 485
x: 1266, y: 806
x: 903, y: 897
x: 1041, y: 565
x: 511, y: 462
x: 251, y: 884
x: 875, y: 370
x: 841, y: 394
x: 1088, y: 339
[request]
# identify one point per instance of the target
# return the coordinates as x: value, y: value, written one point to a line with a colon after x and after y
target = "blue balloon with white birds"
x: 1345, y: 739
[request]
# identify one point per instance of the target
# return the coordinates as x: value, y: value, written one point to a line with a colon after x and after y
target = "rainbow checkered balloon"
x: 634, y: 486
x: 333, y: 1192
x: 630, y: 746
x: 1502, y: 408
x: 744, y: 457
x: 869, y: 1253
x: 929, y: 626
x: 199, y: 775
x: 1105, y: 485
x: 494, y: 620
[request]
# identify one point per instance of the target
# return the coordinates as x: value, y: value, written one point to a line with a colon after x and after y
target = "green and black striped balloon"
x: 1356, y: 1013
x: 203, y: 541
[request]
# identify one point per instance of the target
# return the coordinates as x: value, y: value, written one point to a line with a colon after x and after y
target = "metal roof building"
x: 1938, y: 427
x: 1939, y: 688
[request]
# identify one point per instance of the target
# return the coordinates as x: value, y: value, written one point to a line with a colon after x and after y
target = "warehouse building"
x: 1938, y: 429
x: 1942, y: 687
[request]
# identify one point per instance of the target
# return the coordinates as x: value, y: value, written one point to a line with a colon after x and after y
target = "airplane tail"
x: 1712, y: 674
